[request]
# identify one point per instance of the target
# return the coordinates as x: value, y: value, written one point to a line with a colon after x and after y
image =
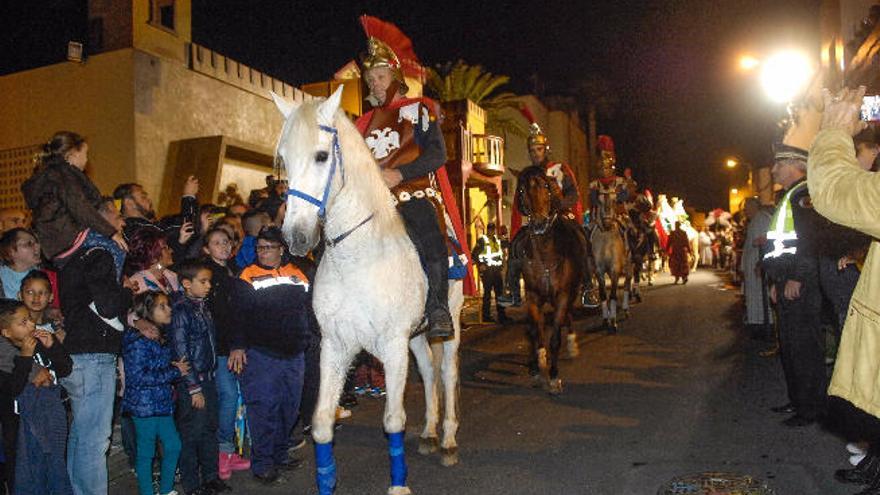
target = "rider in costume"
x: 405, y: 139
x: 608, y: 185
x: 570, y: 202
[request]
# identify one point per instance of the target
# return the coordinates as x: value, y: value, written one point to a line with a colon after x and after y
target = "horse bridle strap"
x: 341, y: 237
x: 337, y: 157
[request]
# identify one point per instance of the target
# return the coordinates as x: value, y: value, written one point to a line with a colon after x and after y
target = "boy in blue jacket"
x: 193, y: 339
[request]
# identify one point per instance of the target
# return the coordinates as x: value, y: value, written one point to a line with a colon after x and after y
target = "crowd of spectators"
x: 809, y: 273
x: 171, y: 321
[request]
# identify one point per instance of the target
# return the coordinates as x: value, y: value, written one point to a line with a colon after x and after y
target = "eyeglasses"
x: 264, y: 248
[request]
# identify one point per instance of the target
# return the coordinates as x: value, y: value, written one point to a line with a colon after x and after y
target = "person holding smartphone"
x: 137, y: 209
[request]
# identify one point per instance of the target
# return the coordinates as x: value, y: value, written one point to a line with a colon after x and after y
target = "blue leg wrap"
x: 325, y: 475
x: 398, y: 461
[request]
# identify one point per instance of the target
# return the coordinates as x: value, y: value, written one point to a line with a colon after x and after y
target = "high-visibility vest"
x: 782, y: 226
x: 491, y: 254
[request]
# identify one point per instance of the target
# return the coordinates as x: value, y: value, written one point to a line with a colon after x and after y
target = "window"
x: 162, y: 14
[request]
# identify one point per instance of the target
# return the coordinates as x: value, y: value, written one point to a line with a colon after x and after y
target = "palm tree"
x: 459, y: 81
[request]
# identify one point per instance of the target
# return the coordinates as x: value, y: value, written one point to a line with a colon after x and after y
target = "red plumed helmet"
x: 387, y: 46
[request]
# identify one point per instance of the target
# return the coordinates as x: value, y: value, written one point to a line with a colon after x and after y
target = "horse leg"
x: 335, y: 358
x: 637, y: 277
x: 449, y: 446
x: 395, y: 357
x: 603, y: 296
x: 536, y: 337
x: 612, y: 302
x: 449, y: 369
x: 424, y: 354
x: 627, y: 290
x: 559, y: 319
x: 571, y: 338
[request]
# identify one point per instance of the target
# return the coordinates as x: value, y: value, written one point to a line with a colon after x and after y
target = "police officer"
x: 793, y: 271
x: 490, y: 257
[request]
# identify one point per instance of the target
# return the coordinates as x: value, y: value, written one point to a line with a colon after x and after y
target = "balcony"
x: 487, y: 154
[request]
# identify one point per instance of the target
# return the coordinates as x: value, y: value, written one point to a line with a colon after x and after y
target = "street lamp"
x: 785, y: 74
x: 748, y: 62
x: 731, y: 163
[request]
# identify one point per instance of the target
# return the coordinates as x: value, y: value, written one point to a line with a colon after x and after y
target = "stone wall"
x: 93, y: 98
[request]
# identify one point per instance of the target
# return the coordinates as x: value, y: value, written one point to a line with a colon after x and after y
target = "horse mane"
x: 358, y: 164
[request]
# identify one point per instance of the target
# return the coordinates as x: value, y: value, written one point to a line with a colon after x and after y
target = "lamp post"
x: 738, y: 191
x: 784, y: 74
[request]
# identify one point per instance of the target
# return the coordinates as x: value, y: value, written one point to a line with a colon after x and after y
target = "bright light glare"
x: 785, y: 74
x: 731, y: 163
x: 734, y: 191
x: 748, y: 62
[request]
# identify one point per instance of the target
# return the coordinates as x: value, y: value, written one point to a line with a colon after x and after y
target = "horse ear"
x: 328, y: 109
x: 285, y: 107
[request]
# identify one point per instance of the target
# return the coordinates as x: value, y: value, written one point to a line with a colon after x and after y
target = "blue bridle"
x: 337, y: 157
x: 322, y: 203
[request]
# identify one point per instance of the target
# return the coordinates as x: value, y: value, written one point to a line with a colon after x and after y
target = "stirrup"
x: 440, y: 326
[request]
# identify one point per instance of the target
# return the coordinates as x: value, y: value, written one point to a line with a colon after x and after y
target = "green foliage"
x: 461, y: 81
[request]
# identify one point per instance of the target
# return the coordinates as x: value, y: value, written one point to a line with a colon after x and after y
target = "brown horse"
x: 553, y: 249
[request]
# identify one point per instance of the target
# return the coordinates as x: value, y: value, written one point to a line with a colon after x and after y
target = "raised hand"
x: 842, y: 110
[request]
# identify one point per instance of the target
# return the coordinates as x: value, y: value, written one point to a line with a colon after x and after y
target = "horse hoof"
x: 428, y: 445
x: 449, y: 457
x: 555, y: 386
x: 536, y: 381
x: 399, y: 490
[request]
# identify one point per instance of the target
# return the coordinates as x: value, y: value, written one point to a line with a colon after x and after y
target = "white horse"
x: 370, y: 289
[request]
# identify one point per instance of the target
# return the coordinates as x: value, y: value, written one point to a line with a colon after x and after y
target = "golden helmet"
x: 379, y: 54
x: 607, y: 157
x: 536, y: 135
x: 388, y: 46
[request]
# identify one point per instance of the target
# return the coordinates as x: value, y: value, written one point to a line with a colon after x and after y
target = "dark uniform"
x: 801, y: 339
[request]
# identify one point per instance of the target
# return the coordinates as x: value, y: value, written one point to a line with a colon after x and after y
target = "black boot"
x: 867, y: 471
x: 437, y: 304
x: 874, y: 486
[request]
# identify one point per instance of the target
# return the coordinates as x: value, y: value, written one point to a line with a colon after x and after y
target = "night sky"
x: 682, y: 105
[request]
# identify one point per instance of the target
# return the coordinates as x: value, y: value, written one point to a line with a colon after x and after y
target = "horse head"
x: 538, y: 198
x: 607, y: 210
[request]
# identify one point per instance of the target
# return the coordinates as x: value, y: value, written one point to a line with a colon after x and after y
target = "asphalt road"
x: 679, y: 390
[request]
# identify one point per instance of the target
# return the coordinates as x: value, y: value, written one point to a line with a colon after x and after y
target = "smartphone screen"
x: 871, y: 108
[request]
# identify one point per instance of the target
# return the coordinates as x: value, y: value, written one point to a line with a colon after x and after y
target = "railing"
x: 487, y: 152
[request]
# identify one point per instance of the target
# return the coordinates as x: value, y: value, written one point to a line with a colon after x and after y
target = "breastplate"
x: 391, y: 138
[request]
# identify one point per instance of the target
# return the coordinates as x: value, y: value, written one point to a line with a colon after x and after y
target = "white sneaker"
x: 172, y: 492
x: 855, y: 459
x: 856, y: 448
